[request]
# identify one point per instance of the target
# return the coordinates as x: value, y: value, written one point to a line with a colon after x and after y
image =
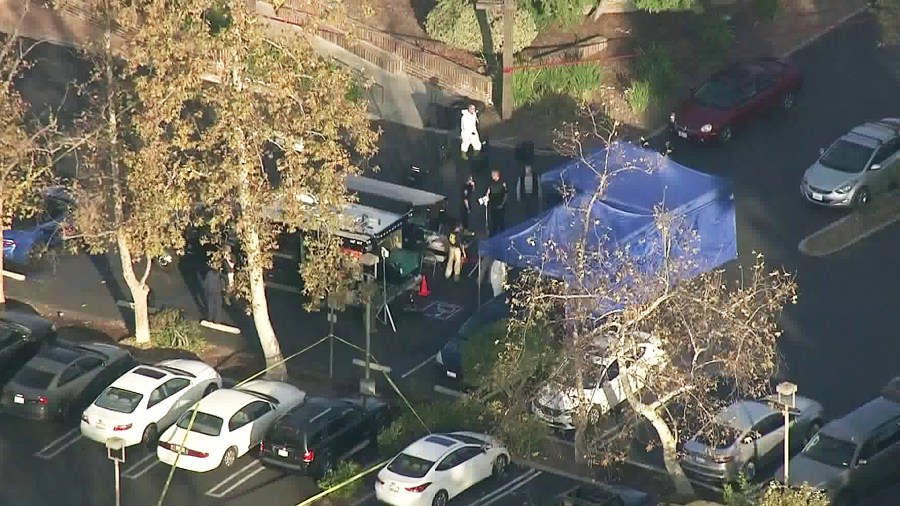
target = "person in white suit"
x: 468, y: 131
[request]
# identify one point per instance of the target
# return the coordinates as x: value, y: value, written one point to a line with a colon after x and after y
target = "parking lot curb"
x: 828, y: 240
x: 659, y: 470
x: 552, y: 470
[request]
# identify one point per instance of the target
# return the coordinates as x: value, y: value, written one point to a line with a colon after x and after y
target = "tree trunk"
x: 138, y: 288
x: 669, y: 445
x: 259, y: 306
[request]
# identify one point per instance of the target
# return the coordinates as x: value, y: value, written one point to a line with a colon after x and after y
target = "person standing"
x: 528, y: 189
x: 497, y: 193
x: 212, y: 286
x: 455, y: 253
x: 468, y: 191
x: 468, y: 132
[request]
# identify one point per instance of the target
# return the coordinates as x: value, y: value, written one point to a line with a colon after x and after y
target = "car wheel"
x: 440, y: 499
x: 151, y: 434
x: 862, y: 198
x: 499, y: 467
x: 229, y: 458
x: 725, y: 134
x: 812, y: 431
x: 787, y: 100
x: 749, y: 471
x: 594, y: 416
x: 210, y: 389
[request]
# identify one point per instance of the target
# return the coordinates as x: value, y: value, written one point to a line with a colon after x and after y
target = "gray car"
x: 62, y: 379
x: 749, y: 434
x: 860, y: 165
x: 854, y: 454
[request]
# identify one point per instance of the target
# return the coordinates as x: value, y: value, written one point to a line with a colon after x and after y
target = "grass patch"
x: 170, y: 329
x: 531, y: 86
x: 342, y: 472
x: 656, y: 66
x: 638, y: 96
x: 767, y: 9
x: 716, y: 38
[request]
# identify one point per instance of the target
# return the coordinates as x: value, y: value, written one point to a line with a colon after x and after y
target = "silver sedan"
x: 748, y: 434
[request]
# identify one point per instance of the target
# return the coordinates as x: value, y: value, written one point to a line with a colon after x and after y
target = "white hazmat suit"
x: 468, y: 131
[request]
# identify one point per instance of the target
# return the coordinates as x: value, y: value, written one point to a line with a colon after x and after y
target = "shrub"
x: 562, y: 12
x: 639, y: 96
x: 767, y: 9
x: 342, y: 472
x: 716, y: 38
x: 664, y: 5
x: 438, y: 416
x: 454, y: 22
x: 656, y: 66
x: 170, y: 329
x: 531, y: 86
x: 887, y: 12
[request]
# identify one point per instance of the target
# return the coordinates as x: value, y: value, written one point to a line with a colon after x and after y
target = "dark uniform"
x: 497, y: 206
x: 468, y: 191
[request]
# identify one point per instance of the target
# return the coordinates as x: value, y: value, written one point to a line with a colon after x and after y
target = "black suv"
x: 321, y: 432
x: 21, y: 335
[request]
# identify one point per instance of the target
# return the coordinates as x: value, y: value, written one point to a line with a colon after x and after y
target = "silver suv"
x: 858, y: 166
x: 855, y: 454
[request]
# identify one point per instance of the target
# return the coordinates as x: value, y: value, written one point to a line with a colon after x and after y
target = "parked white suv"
x: 860, y: 165
x: 557, y: 401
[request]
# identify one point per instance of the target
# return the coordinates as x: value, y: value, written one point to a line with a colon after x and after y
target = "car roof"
x: 272, y: 391
x: 59, y: 355
x: 878, y: 131
x: 742, y: 415
x: 33, y: 323
x: 225, y: 402
x: 859, y: 423
x: 315, y: 412
x: 143, y: 379
x: 433, y: 447
x: 176, y: 366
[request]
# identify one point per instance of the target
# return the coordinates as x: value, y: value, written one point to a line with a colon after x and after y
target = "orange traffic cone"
x: 423, y: 288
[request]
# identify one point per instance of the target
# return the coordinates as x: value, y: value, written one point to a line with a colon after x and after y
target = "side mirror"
x: 748, y: 440
x: 821, y: 151
x: 875, y: 166
x: 484, y: 449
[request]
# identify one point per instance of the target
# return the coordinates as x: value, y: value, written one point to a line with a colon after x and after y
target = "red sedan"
x: 736, y: 96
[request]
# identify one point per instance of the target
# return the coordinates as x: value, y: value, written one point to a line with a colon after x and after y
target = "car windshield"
x: 203, y: 423
x: 847, y: 156
x: 34, y: 378
x: 718, y: 437
x: 830, y: 451
x: 719, y: 94
x: 119, y: 400
x: 407, y: 465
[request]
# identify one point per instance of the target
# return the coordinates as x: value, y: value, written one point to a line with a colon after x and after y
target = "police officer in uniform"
x: 497, y: 194
x: 468, y: 191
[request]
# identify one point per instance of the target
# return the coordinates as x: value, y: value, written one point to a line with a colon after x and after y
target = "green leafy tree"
x: 455, y: 23
x: 134, y: 198
x: 276, y: 92
x: 888, y: 14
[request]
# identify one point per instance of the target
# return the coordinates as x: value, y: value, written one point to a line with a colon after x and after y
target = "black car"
x: 601, y: 494
x: 321, y: 432
x: 21, y: 334
x: 449, y: 359
x: 63, y: 378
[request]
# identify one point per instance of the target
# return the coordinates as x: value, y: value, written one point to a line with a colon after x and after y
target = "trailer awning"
x: 396, y: 192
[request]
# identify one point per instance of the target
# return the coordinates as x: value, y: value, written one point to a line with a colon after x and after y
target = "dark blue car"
x: 29, y: 238
x: 450, y: 357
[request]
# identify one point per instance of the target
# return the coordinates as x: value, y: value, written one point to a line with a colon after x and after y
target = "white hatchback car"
x: 556, y: 402
x: 147, y: 399
x: 438, y: 467
x: 227, y: 424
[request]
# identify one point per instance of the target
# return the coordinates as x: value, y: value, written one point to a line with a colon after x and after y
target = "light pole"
x: 115, y: 451
x: 787, y: 392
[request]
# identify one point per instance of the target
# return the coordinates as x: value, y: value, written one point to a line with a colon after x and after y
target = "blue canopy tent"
x: 623, y: 218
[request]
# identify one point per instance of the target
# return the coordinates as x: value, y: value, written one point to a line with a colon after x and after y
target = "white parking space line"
x: 416, y: 368
x: 236, y: 479
x: 140, y: 467
x: 494, y: 496
x: 14, y: 275
x: 59, y: 444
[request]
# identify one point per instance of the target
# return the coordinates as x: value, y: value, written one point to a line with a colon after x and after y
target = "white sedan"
x: 226, y: 424
x: 438, y: 467
x: 147, y: 399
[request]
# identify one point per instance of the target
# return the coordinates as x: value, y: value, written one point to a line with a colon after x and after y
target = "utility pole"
x: 509, y: 24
